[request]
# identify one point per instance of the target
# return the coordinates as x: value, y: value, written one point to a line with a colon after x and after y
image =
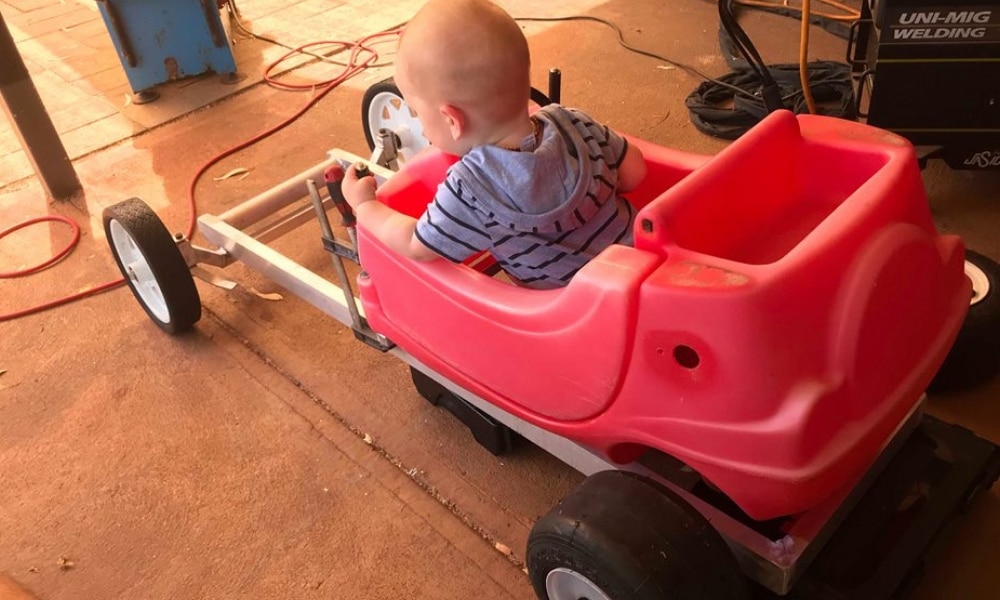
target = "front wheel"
x: 152, y: 265
x: 620, y: 536
x: 383, y: 108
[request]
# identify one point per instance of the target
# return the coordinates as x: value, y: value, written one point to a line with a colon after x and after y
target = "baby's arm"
x: 632, y: 169
x: 392, y: 228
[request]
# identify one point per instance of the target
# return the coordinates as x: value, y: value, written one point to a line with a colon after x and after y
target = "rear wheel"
x: 620, y: 536
x: 153, y: 266
x: 975, y: 356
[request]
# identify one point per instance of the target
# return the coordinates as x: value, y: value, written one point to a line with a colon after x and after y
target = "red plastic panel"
x: 555, y: 353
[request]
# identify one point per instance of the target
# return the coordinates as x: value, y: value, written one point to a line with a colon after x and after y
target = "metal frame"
x: 774, y: 564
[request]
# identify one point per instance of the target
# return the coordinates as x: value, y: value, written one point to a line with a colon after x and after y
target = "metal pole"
x: 268, y: 202
x: 31, y: 123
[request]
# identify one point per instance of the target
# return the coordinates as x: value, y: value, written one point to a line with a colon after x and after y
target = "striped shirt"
x: 542, y: 212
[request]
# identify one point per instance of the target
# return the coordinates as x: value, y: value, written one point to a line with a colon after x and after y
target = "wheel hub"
x: 139, y: 272
x: 389, y: 111
x: 566, y: 584
x: 980, y: 282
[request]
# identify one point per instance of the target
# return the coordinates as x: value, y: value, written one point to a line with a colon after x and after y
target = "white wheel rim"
x: 139, y: 273
x: 566, y: 584
x: 390, y: 111
x: 980, y: 282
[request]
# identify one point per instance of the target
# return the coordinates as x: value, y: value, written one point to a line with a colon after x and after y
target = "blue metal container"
x: 163, y: 40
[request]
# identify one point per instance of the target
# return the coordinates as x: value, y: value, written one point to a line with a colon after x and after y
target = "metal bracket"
x: 195, y: 256
x: 210, y: 277
x: 341, y: 249
x: 386, y: 149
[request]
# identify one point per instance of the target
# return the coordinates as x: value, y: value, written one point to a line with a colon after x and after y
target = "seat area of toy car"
x: 411, y: 189
x: 759, y: 198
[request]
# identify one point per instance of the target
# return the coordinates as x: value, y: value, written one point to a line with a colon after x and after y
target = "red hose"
x: 56, y: 258
x: 59, y: 255
x: 352, y: 68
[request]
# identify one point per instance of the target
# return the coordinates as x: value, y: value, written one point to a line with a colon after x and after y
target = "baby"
x: 541, y: 192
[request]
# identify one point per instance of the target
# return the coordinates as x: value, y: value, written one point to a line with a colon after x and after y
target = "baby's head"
x: 463, y: 66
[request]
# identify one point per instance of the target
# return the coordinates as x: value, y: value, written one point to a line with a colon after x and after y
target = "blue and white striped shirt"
x: 542, y: 212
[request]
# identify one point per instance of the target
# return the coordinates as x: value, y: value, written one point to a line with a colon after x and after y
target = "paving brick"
x: 101, y: 82
x: 30, y: 5
x: 9, y: 141
x: 319, y: 7
x: 260, y: 8
x: 99, y: 134
x: 32, y: 66
x: 54, y: 92
x: 49, y: 9
x: 61, y: 21
x: 58, y: 42
x: 83, y: 32
x: 18, y: 34
x: 9, y: 10
x: 13, y: 167
x: 83, y: 112
x: 83, y: 64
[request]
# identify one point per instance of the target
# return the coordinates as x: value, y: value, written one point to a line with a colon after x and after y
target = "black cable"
x: 742, y: 41
x: 769, y: 92
x: 715, y: 110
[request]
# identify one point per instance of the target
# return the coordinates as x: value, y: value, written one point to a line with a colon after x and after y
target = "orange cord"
x: 804, y: 59
x: 351, y: 68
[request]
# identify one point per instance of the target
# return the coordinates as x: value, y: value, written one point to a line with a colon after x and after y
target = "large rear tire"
x: 620, y: 536
x: 975, y: 356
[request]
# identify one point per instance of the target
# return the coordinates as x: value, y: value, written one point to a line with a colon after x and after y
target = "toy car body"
x: 784, y: 306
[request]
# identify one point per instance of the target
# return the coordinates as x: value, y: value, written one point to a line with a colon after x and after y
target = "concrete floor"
x: 268, y: 454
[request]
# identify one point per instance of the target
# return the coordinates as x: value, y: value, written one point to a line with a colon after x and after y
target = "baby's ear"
x: 456, y: 120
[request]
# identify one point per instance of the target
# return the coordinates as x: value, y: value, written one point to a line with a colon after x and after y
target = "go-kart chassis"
x: 775, y: 555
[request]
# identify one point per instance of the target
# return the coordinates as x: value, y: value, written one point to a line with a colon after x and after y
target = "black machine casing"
x: 929, y: 70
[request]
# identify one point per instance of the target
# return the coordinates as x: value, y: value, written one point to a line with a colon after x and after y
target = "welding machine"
x: 929, y: 70
x: 164, y: 40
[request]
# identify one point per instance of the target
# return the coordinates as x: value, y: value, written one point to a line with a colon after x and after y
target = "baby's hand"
x: 357, y: 190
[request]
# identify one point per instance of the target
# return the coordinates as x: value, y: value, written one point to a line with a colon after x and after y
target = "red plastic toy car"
x: 783, y: 310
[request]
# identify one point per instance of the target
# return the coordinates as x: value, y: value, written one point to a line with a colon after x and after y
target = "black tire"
x: 629, y: 538
x: 167, y: 291
x: 975, y: 357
